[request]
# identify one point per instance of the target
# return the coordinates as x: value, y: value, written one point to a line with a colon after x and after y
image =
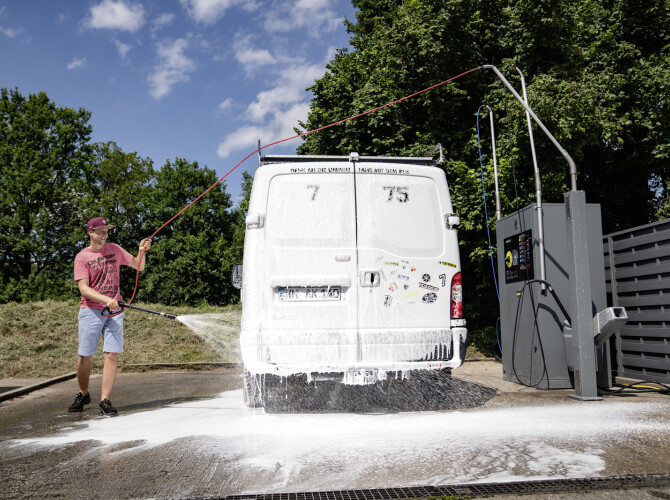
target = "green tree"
x: 235, y: 252
x: 597, y: 73
x: 44, y: 150
x: 186, y: 261
x: 664, y: 204
x: 119, y: 186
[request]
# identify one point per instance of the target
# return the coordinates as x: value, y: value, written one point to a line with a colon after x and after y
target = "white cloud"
x: 280, y: 127
x: 116, y: 14
x: 77, y: 63
x: 316, y: 16
x: 275, y: 111
x: 289, y: 91
x: 173, y: 67
x: 249, y: 56
x: 123, y: 48
x: 252, y: 58
x: 225, y: 104
x: 11, y: 32
x: 210, y: 11
x: 163, y: 20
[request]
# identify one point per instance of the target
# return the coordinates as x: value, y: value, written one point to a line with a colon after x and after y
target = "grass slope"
x: 40, y: 339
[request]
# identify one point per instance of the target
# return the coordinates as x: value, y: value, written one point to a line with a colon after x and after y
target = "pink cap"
x: 97, y: 222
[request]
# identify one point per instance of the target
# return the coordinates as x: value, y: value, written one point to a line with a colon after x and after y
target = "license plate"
x: 309, y: 293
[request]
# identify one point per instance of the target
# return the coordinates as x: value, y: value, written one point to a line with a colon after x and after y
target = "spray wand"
x: 124, y: 305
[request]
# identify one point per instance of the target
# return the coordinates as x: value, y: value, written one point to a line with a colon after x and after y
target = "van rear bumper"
x: 366, y: 355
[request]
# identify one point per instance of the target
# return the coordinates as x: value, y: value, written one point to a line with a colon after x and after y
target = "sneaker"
x: 106, y: 408
x: 79, y: 401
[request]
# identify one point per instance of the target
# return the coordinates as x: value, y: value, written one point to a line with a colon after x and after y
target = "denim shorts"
x: 91, y: 324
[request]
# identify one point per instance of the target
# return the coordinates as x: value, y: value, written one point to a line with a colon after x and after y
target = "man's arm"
x: 91, y: 294
x: 139, y: 261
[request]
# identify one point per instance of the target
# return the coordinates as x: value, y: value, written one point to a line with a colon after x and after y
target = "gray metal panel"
x: 648, y: 269
x: 643, y: 254
x: 646, y: 331
x: 651, y: 283
x: 537, y: 356
x: 645, y: 300
x: 638, y: 277
x: 641, y: 235
x: 660, y: 348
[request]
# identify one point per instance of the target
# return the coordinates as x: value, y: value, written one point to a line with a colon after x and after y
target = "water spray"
x: 124, y: 305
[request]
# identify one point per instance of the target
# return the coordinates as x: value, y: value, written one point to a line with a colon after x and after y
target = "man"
x: 96, y: 271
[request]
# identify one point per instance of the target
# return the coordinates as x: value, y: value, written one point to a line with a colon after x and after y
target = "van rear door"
x: 406, y: 262
x: 310, y: 265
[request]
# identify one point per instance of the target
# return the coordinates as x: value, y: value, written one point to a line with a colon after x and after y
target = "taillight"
x: 456, y: 296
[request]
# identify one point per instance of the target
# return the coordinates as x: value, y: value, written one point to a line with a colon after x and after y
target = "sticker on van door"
x: 429, y: 298
x: 445, y: 263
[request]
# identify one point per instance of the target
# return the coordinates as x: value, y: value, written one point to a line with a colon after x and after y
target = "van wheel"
x: 252, y: 390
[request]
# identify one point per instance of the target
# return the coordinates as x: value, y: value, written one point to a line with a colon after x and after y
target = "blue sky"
x: 199, y: 79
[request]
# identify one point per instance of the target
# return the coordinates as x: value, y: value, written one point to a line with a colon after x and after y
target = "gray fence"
x: 637, y: 269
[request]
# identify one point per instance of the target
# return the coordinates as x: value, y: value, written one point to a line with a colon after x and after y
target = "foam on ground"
x: 335, y: 451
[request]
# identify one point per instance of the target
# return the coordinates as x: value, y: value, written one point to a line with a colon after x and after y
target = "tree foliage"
x: 54, y: 180
x: 187, y: 262
x: 597, y: 74
x: 44, y: 151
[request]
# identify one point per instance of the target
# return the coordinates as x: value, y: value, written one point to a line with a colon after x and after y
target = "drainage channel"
x: 473, y: 490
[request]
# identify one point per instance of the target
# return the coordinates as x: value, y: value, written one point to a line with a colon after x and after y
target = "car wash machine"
x: 553, y: 311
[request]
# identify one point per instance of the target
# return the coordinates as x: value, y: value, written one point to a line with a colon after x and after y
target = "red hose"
x: 303, y: 134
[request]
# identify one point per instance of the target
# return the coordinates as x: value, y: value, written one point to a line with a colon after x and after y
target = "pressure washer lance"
x: 124, y: 305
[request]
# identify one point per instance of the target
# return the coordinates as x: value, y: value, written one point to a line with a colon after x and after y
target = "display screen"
x: 518, y: 257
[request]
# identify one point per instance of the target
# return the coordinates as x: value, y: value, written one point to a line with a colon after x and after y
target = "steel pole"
x: 571, y: 164
x: 495, y: 162
x: 538, y: 184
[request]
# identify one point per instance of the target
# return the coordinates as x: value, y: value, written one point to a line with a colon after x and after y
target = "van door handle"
x: 342, y: 257
x: 370, y: 278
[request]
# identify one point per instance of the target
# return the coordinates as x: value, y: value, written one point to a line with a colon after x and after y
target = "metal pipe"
x: 538, y: 183
x: 437, y: 146
x: 568, y: 158
x: 495, y: 162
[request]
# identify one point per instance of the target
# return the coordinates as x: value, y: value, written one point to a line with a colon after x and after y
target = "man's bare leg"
x: 108, y: 374
x: 83, y: 373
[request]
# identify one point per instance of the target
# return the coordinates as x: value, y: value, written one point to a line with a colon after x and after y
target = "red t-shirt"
x: 101, y: 267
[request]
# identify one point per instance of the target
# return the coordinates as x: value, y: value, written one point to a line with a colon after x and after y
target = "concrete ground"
x: 187, y: 434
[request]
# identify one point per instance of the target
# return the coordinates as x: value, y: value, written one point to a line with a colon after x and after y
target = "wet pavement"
x: 182, y: 434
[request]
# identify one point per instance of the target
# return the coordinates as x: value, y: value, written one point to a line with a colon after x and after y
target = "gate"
x: 637, y: 270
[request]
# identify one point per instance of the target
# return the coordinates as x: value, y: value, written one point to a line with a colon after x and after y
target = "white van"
x: 351, y: 272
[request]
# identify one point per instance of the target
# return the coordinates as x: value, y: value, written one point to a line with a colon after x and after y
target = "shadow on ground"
x: 426, y: 392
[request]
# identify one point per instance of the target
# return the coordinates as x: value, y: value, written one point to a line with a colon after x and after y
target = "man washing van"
x: 96, y: 271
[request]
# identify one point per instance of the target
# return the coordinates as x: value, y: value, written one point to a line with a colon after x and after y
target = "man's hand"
x: 145, y: 244
x: 112, y: 304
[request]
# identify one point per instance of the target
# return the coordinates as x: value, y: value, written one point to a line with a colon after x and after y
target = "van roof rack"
x: 415, y: 160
